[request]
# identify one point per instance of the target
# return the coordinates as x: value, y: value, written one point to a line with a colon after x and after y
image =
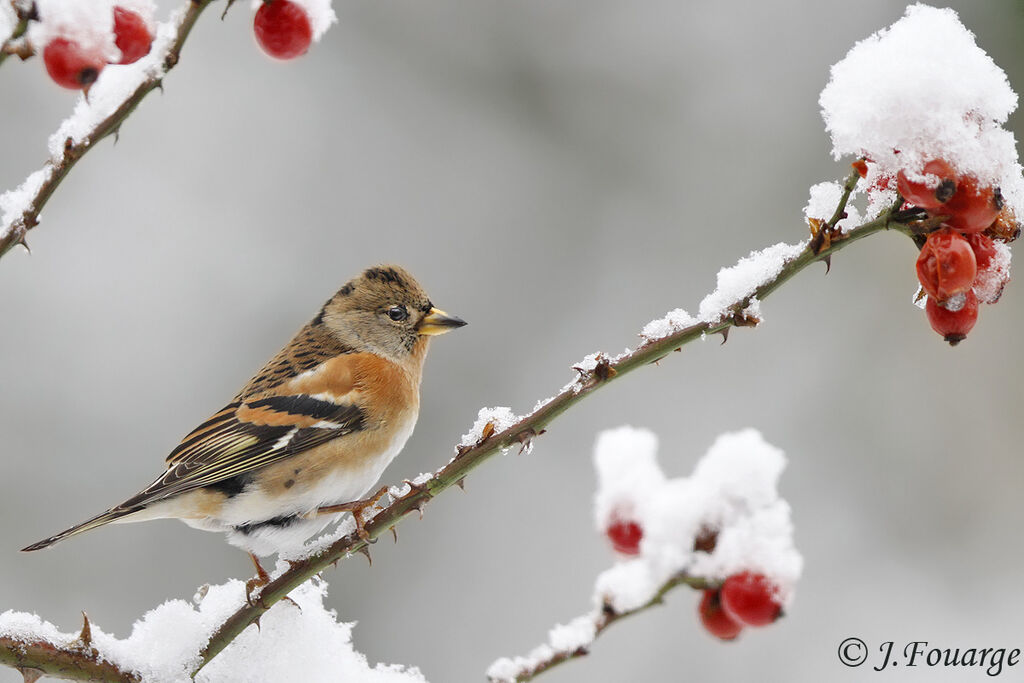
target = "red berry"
x: 283, y: 29
x: 70, y: 66
x: 131, y: 35
x: 750, y: 599
x: 946, y: 266
x: 714, y: 618
x: 625, y: 535
x: 972, y: 208
x: 953, y: 325
x: 938, y: 187
x: 861, y: 166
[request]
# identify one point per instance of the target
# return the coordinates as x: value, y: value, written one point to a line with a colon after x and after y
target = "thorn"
x: 117, y: 134
x: 24, y: 242
x: 415, y: 488
x: 725, y: 335
x: 828, y: 263
x: 461, y: 483
x: 86, y: 635
x: 30, y: 674
x: 365, y: 550
x: 394, y: 534
x: 226, y: 8
x: 486, y: 433
x: 418, y: 507
x: 160, y: 85
x: 292, y: 564
x: 257, y: 621
x: 297, y: 606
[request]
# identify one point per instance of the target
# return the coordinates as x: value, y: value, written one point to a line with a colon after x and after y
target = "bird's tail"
x: 110, y: 515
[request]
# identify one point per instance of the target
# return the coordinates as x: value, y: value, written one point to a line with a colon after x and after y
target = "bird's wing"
x: 248, y: 434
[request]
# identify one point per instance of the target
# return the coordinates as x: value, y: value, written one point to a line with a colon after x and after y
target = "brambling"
x: 310, y: 433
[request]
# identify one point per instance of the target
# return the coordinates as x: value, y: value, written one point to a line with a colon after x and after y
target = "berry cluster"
x: 73, y: 65
x: 283, y: 29
x: 965, y: 260
x: 744, y: 599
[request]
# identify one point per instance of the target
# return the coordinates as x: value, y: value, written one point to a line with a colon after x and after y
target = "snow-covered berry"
x: 750, y: 599
x: 71, y: 66
x: 131, y: 35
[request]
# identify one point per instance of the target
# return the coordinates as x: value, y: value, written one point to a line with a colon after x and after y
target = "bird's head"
x: 385, y: 311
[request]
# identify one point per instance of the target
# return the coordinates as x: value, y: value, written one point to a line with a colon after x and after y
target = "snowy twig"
x: 548, y: 656
x: 525, y: 429
x: 12, y: 43
x: 41, y: 184
x: 77, y: 662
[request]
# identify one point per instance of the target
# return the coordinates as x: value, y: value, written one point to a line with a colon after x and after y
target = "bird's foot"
x: 356, y: 507
x: 261, y: 579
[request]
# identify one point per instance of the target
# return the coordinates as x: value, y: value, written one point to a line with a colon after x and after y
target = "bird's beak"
x: 438, y: 322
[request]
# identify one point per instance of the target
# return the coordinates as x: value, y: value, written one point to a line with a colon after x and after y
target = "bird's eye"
x: 398, y: 313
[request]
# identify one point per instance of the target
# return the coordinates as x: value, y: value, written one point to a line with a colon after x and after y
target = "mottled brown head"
x: 385, y: 311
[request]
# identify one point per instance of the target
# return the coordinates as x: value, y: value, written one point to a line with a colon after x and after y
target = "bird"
x: 310, y: 433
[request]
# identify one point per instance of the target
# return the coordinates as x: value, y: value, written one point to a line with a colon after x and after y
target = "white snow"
x: 919, y: 90
x: 626, y: 461
x: 164, y: 644
x: 14, y: 203
x: 578, y: 633
x: 8, y: 21
x: 321, y: 16
x: 823, y: 202
x: 673, y: 321
x: 501, y: 418
x: 90, y: 24
x: 737, y: 282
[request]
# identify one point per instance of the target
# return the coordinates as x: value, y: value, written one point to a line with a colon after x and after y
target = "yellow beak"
x: 438, y: 322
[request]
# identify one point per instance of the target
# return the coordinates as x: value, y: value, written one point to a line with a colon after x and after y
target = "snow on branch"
x: 111, y: 99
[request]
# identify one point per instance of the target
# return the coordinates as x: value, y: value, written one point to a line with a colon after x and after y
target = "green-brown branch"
x: 78, y: 662
x: 56, y: 170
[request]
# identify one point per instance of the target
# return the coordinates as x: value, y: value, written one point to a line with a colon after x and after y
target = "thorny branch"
x: 63, y: 662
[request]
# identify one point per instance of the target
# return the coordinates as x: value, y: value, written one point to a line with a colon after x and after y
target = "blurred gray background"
x: 557, y: 173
